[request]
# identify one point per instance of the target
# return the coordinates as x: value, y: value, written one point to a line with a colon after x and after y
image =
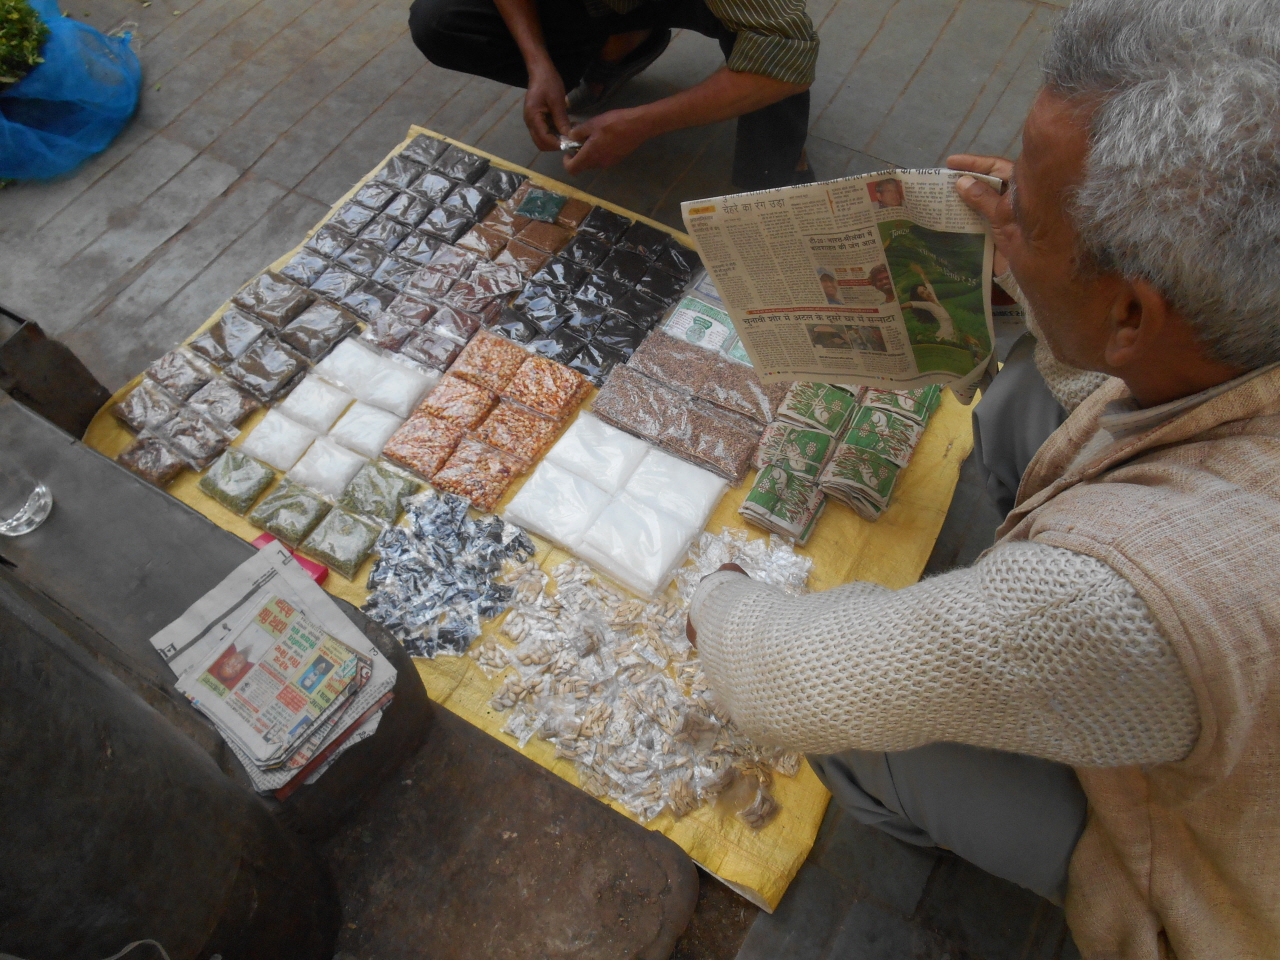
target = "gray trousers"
x: 1015, y: 816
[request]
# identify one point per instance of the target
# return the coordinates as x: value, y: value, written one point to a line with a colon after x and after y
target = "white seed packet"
x: 326, y: 468
x: 315, y: 403
x: 350, y: 366
x: 598, y: 452
x: 397, y: 387
x: 675, y: 487
x: 637, y: 545
x: 278, y: 440
x: 365, y: 429
x: 556, y: 504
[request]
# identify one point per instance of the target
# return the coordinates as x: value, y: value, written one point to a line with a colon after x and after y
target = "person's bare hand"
x: 691, y: 633
x: 983, y: 199
x: 544, y: 108
x: 606, y: 139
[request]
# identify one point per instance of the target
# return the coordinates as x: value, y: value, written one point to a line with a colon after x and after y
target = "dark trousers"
x: 470, y: 36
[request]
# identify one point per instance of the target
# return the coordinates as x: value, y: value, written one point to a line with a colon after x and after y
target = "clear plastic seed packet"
x: 429, y: 285
x: 431, y: 350
x: 489, y: 361
x: 736, y: 387
x: 342, y: 541
x: 363, y: 257
x: 596, y: 362
x: 335, y: 283
x: 315, y: 403
x: 678, y: 260
x: 424, y: 149
x: 236, y: 480
x: 452, y: 261
x: 604, y: 225
x: 368, y: 299
x: 326, y: 468
x: 641, y: 406
x: 418, y: 248
x: 661, y: 286
x: 350, y: 366
x: 645, y: 240
x: 388, y: 331
x: 670, y: 361
x: 461, y: 164
x: 721, y: 441
x: 394, y: 273
x: 289, y: 512
x: 409, y: 209
x: 559, y: 345
x: 674, y: 487
x: 272, y: 299
x: 504, y: 220
x: 467, y: 201
x: 477, y: 473
x: 146, y: 405
x: 586, y: 251
x: 316, y: 329
x: 181, y: 373
x: 598, y: 452
x: 483, y: 240
x: 517, y: 431
x: 433, y: 187
x: 397, y: 387
x: 227, y: 339
x: 573, y: 213
x: 399, y: 172
x: 513, y: 326
x: 524, y: 257
x: 304, y: 268
x: 416, y: 312
x: 266, y: 368
x: 365, y: 429
x: 277, y: 440
x: 455, y: 324
x: 624, y: 266
x: 223, y: 401
x: 544, y: 236
x: 459, y: 402
x: 556, y: 504
x: 637, y: 545
x: 378, y: 491
x: 423, y: 444
x: 152, y: 459
x: 330, y: 241
x: 385, y: 232
x: 445, y: 225
x: 550, y: 388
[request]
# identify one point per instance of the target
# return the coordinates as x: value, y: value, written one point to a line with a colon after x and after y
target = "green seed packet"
x: 378, y: 491
x: 696, y: 321
x: 235, y: 480
x: 892, y: 436
x: 784, y: 503
x: 342, y: 541
x: 853, y: 468
x: 289, y: 512
x: 798, y: 450
x: 917, y: 404
x: 817, y: 406
x: 736, y: 351
x: 541, y: 205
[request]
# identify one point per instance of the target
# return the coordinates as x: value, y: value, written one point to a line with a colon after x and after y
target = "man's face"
x: 883, y: 282
x: 829, y: 286
x: 889, y: 193
x: 1032, y: 230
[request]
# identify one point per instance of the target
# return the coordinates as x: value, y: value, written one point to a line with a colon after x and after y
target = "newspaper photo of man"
x: 829, y: 288
x: 887, y: 193
x: 883, y: 281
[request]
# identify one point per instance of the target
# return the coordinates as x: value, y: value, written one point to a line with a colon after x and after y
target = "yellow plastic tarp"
x: 844, y: 547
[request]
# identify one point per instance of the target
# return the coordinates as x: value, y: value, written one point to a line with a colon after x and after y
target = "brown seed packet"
x: 422, y: 444
x: 550, y: 388
x: 518, y: 431
x: 528, y: 260
x: 489, y: 361
x: 478, y: 473
x: 458, y: 402
x: 573, y: 213
x: 545, y: 236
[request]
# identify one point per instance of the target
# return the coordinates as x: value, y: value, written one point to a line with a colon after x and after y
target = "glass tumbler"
x: 24, y: 503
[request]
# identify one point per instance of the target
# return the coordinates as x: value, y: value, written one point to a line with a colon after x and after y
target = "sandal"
x: 609, y: 78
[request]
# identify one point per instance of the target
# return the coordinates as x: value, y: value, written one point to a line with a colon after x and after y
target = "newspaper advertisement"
x: 880, y: 280
x: 199, y: 644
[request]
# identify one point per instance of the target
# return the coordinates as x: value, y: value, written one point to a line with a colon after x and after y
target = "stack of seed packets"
x: 785, y: 497
x: 877, y: 444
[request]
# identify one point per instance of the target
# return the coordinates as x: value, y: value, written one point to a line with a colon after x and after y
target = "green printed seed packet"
x: 817, y: 406
x: 916, y: 404
x: 342, y: 541
x: 872, y: 473
x: 798, y: 450
x: 541, y: 205
x: 880, y: 431
x: 235, y: 480
x: 736, y: 351
x: 784, y: 502
x: 696, y: 321
x: 379, y: 491
x: 289, y: 512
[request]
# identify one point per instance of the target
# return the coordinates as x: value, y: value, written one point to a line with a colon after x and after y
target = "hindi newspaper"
x: 878, y: 280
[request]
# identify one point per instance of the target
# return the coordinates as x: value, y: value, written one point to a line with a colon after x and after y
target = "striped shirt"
x: 775, y: 37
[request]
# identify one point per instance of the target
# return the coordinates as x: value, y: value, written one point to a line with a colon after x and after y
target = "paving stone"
x: 845, y: 35
x: 1001, y: 132
x: 873, y: 864
x: 173, y: 39
x: 870, y: 932
x: 805, y: 922
x: 509, y: 137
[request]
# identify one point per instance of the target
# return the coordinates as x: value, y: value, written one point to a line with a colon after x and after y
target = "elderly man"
x: 1093, y: 709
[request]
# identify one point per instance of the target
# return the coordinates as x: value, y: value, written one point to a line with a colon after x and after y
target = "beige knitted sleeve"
x: 1034, y: 649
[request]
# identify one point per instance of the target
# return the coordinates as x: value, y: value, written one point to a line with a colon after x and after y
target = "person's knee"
x: 428, y: 25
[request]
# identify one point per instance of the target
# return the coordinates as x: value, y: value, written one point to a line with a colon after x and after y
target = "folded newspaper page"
x: 879, y: 280
x: 200, y: 644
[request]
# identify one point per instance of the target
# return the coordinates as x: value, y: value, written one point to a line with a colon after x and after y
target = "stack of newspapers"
x: 287, y: 679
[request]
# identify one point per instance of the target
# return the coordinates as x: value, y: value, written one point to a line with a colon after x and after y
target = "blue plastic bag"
x: 71, y: 106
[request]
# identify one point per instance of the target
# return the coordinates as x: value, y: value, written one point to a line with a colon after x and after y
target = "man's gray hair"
x: 1182, y: 183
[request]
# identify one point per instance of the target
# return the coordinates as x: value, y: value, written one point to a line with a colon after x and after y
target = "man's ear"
x: 1137, y: 319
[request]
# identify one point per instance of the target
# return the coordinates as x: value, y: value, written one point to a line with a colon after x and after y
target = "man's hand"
x: 544, y: 110
x: 691, y: 633
x: 982, y: 199
x: 606, y: 139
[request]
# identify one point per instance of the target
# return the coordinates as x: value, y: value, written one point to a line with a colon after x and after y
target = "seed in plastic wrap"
x: 487, y: 282
x: 452, y: 261
x: 517, y: 431
x: 623, y: 266
x: 335, y: 283
x: 573, y: 213
x: 227, y: 339
x: 342, y: 541
x: 584, y: 318
x: 445, y: 225
x: 378, y: 491
x: 389, y: 331
x: 423, y: 443
x: 456, y: 324
x: 181, y: 373
x: 317, y: 328
x: 399, y: 172
x: 596, y: 362
x: 542, y: 205
x: 504, y: 220
x: 289, y: 512
x: 236, y: 480
x: 304, y: 268
x: 433, y: 187
x: 601, y: 290
x: 545, y: 236
x: 678, y: 260
x: 224, y: 401
x: 598, y: 452
x: 619, y: 333
x: 351, y: 218
x: 683, y: 490
x: 385, y: 232
x: 635, y: 403
x: 461, y: 164
x: 604, y: 225
x: 639, y: 308
x: 484, y: 241
x: 547, y: 387
x: 375, y: 195
x: 736, y: 387
x: 661, y: 286
x: 365, y: 428
x: 147, y: 405
x: 560, y: 345
x: 327, y: 467
x: 265, y: 368
x: 556, y: 504
x: 424, y: 149
x: 636, y: 544
x: 512, y: 325
x: 431, y: 350
x: 363, y: 257
x: 349, y: 366
x: 329, y: 242
x: 397, y: 386
x: 428, y: 285
x: 467, y: 201
x: 395, y: 273
x: 645, y: 240
x: 528, y: 260
x: 720, y: 440
x: 151, y: 459
x: 477, y: 473
x: 278, y: 440
x: 489, y: 361
x: 418, y: 249
x: 459, y: 402
x: 544, y: 312
x: 315, y: 403
x: 673, y: 362
x: 409, y: 209
x: 587, y: 252
x: 561, y: 274
x: 368, y: 300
